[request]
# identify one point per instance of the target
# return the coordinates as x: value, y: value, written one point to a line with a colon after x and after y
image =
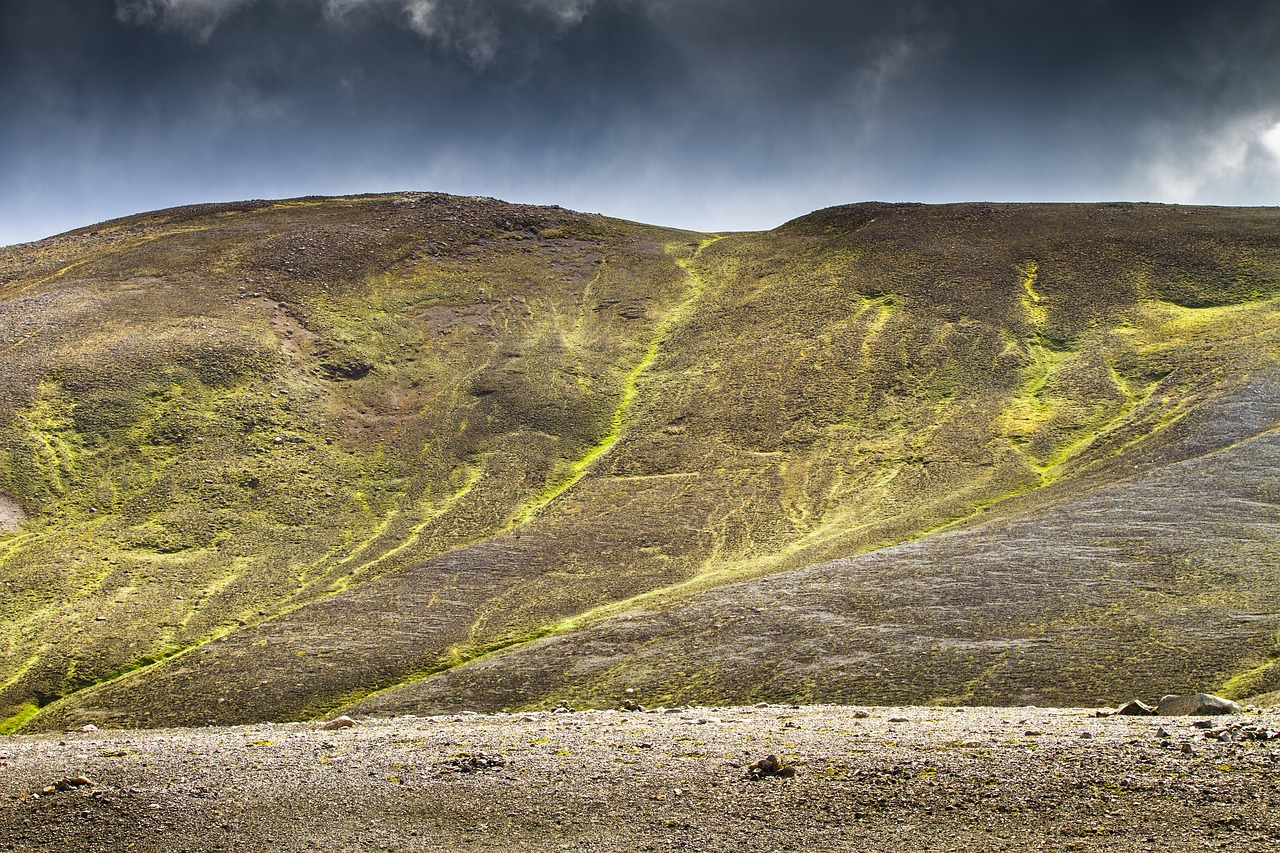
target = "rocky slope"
x: 421, y: 453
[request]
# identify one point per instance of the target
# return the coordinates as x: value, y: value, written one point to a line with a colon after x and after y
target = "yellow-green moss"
x: 17, y: 720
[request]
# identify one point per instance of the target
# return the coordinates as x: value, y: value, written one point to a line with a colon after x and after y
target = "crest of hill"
x: 421, y: 452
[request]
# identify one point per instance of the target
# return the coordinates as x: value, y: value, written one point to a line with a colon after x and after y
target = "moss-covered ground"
x: 277, y: 457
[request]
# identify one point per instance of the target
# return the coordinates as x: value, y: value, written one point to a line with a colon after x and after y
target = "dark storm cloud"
x: 709, y: 113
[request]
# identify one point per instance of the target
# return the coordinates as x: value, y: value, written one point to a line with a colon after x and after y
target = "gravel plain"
x: 946, y: 779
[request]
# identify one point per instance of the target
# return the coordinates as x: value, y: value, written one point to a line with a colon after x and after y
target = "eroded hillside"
x: 421, y: 452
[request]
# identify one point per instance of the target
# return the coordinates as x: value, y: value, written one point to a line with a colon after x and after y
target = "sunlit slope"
x: 1162, y: 582
x: 448, y: 426
x: 214, y: 415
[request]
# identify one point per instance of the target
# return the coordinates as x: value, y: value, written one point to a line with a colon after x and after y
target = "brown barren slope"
x: 420, y: 452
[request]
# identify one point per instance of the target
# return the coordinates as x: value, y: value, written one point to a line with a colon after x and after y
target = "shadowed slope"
x: 450, y: 426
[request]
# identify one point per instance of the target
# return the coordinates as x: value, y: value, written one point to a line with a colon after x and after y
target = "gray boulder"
x: 1135, y: 708
x: 1199, y: 704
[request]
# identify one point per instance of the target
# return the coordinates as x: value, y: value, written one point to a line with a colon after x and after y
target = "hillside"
x: 265, y: 461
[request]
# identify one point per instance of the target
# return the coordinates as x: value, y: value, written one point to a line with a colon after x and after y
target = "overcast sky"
x: 707, y: 114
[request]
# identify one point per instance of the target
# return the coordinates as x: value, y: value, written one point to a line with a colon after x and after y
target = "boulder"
x: 338, y: 723
x: 1135, y: 708
x: 1199, y: 704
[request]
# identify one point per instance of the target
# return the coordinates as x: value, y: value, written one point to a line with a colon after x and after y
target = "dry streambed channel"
x: 841, y: 778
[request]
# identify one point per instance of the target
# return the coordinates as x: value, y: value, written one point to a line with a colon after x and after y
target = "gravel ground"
x: 865, y: 779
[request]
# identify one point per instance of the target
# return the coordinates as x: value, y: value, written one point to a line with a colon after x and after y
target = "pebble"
x: 69, y: 784
x: 770, y: 765
x: 473, y: 763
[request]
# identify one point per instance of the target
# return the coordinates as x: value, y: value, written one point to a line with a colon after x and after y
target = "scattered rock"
x: 770, y: 765
x: 1162, y: 733
x: 473, y: 763
x: 1239, y: 731
x: 860, y: 714
x: 70, y: 784
x: 1258, y: 733
x: 345, y: 370
x: 1174, y: 705
x: 899, y: 720
x: 631, y: 705
x: 563, y: 708
x: 338, y: 723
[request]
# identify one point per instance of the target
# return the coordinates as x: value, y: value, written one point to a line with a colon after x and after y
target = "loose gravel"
x: 668, y: 779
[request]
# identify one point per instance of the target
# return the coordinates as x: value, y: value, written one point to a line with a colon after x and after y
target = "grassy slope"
x: 566, y: 417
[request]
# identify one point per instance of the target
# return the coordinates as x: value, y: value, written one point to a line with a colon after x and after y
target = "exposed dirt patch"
x: 864, y: 779
x: 11, y: 514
